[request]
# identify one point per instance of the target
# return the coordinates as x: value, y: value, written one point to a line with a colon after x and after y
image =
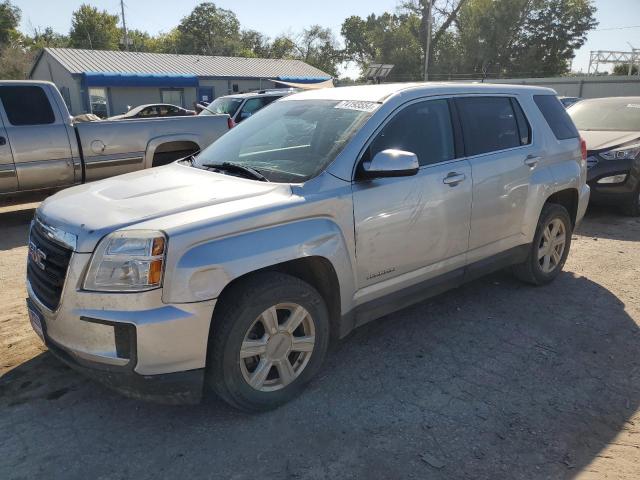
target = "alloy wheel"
x: 552, y: 245
x: 277, y: 347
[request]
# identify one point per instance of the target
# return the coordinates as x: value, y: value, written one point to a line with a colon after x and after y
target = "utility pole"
x: 124, y: 27
x: 426, y: 12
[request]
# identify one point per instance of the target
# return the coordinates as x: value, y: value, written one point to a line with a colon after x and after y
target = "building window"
x: 98, y: 101
x: 173, y: 96
x: 235, y: 88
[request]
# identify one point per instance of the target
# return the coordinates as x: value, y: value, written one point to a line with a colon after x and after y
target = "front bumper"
x: 132, y: 342
x: 616, y: 193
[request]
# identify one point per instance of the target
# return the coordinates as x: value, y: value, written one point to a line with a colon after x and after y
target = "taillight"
x: 583, y: 147
x: 230, y: 123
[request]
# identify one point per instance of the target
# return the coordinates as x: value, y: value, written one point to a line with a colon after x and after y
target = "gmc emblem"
x: 37, y: 256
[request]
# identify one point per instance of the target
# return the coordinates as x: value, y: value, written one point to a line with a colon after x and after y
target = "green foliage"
x: 317, y: 46
x: 282, y: 47
x: 93, y: 29
x: 9, y: 20
x: 473, y: 37
x: 46, y: 38
x: 209, y: 30
x: 623, y: 69
x: 15, y: 62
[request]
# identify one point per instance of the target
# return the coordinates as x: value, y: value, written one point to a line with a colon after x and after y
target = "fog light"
x: 614, y: 179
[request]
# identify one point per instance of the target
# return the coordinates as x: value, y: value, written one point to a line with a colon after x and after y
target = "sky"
x: 291, y: 16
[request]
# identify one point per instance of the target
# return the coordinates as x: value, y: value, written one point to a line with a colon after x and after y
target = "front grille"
x: 47, y: 267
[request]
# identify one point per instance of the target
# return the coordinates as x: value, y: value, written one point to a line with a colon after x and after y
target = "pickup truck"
x: 41, y: 148
x: 326, y: 210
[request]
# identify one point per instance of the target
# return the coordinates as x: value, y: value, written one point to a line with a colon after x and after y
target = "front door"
x: 38, y: 136
x: 8, y: 178
x: 412, y: 229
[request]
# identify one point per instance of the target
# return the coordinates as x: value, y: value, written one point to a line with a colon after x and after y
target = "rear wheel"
x: 269, y: 338
x: 550, y: 247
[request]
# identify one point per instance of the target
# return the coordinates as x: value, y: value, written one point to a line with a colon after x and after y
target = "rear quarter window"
x: 556, y: 116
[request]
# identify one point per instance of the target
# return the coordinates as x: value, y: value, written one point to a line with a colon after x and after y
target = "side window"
x: 523, y: 124
x: 26, y: 105
x: 422, y: 128
x: 556, y: 116
x: 488, y: 123
x: 268, y: 100
x: 250, y: 107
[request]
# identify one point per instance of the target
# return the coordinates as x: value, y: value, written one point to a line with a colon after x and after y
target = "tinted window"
x: 26, y: 105
x: 523, y: 124
x: 619, y: 114
x: 556, y: 116
x: 489, y: 124
x: 423, y: 128
x: 222, y: 105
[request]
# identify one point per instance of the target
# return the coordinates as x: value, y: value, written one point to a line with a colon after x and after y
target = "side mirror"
x: 391, y: 163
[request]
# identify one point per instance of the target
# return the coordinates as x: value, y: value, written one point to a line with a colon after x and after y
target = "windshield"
x: 291, y: 141
x: 222, y: 105
x: 618, y: 114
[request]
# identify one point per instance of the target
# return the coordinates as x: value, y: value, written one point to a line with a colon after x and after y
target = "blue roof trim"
x: 112, y: 79
x: 304, y: 79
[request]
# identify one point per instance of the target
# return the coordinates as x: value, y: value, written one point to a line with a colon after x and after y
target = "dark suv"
x: 611, y: 128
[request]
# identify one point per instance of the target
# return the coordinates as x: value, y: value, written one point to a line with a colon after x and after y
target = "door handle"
x: 3, y: 141
x: 531, y: 160
x: 453, y: 179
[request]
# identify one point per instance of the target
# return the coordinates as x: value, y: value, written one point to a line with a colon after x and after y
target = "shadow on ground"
x: 14, y: 228
x: 609, y: 222
x: 493, y: 380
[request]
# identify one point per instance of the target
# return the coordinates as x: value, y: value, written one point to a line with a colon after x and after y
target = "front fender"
x: 202, y: 271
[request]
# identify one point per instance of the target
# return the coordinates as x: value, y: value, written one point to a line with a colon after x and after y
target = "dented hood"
x: 93, y: 210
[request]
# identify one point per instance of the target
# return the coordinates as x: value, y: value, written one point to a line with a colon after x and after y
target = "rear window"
x: 489, y: 124
x: 26, y: 105
x: 222, y: 105
x: 556, y: 116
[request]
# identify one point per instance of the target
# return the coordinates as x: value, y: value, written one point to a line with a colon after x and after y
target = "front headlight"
x: 623, y: 153
x: 130, y: 261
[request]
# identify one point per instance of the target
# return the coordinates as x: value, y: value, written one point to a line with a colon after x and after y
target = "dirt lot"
x: 492, y: 380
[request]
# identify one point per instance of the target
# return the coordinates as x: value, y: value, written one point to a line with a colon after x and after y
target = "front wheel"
x: 550, y: 247
x: 632, y: 208
x: 269, y: 338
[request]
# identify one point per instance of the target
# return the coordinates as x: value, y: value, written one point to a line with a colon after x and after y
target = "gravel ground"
x: 493, y: 380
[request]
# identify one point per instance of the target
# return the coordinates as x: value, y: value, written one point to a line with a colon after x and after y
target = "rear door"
x: 499, y: 147
x: 8, y: 178
x: 38, y: 136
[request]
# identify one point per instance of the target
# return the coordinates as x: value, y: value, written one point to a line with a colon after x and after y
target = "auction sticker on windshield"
x: 357, y: 105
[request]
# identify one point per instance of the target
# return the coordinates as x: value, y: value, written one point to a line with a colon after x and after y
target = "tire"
x: 246, y: 313
x: 632, y: 208
x: 535, y: 270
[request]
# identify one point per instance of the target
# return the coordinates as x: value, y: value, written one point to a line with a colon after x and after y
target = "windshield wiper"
x: 236, y: 167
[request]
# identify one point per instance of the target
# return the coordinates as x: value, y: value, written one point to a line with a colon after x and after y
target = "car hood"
x: 605, y: 139
x: 93, y: 210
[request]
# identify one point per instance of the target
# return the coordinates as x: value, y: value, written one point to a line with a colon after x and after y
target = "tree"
x: 15, y: 62
x: 623, y: 69
x: 46, y: 38
x: 209, y: 30
x: 93, y: 29
x: 282, y: 47
x: 9, y: 20
x: 317, y: 46
x: 254, y: 44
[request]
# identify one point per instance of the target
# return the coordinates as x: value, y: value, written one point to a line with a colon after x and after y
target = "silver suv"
x: 235, y: 268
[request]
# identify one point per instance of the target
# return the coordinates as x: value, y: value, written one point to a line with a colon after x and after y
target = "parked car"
x: 611, y: 128
x: 568, y: 101
x: 322, y: 212
x: 242, y: 105
x: 42, y: 148
x: 155, y: 111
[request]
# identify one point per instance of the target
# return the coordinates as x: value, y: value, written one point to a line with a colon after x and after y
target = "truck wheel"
x: 269, y: 337
x: 550, y: 247
x: 632, y: 208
